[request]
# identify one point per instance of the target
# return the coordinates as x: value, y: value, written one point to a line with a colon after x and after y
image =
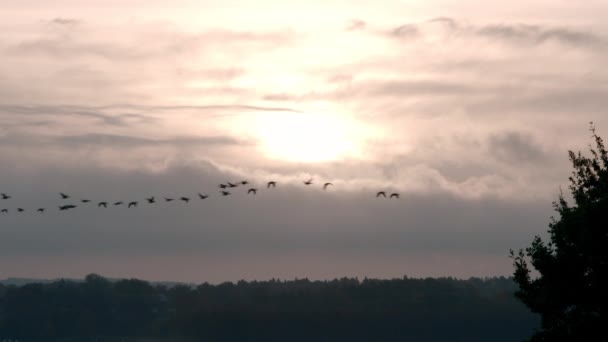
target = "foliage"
x: 443, y: 309
x: 571, y: 290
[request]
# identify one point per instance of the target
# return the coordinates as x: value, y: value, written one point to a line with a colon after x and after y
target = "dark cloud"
x: 537, y: 34
x: 73, y: 111
x: 126, y: 115
x: 277, y: 222
x: 514, y: 33
x: 114, y: 140
x: 406, y: 31
x: 591, y: 103
x: 449, y: 22
x: 64, y: 21
x: 516, y: 147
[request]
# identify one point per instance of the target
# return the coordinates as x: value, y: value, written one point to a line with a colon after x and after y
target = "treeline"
x: 442, y: 309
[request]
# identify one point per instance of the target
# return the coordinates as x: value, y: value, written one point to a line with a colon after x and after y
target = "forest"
x: 346, y: 309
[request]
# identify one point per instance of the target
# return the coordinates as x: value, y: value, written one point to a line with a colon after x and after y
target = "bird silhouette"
x: 201, y: 196
x: 308, y: 182
x: 5, y: 196
x: 223, y: 186
x: 326, y: 185
x: 151, y: 200
x: 168, y: 199
x: 394, y: 195
x: 118, y: 203
x: 5, y: 211
x: 20, y: 210
x: 66, y: 207
x: 102, y: 204
x: 132, y: 204
x: 381, y: 193
x: 244, y: 182
x: 271, y: 183
x: 252, y: 190
x: 64, y: 196
x: 225, y: 193
x: 230, y: 185
x: 40, y: 210
x: 85, y: 201
x: 185, y: 199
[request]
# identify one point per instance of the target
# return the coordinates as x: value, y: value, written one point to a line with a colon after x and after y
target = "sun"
x: 306, y: 137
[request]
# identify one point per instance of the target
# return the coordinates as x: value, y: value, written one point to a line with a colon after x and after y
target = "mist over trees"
x: 571, y: 290
x: 443, y: 309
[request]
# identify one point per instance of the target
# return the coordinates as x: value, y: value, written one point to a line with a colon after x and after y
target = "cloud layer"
x: 469, y: 116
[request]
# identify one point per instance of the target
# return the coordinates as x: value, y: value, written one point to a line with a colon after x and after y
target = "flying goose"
x: 20, y: 210
x: 85, y: 201
x: 271, y: 183
x: 5, y: 196
x: 244, y: 182
x: 254, y: 190
x: 394, y: 195
x: 102, y: 204
x: 223, y: 186
x: 326, y: 185
x: 308, y: 182
x: 225, y: 193
x: 151, y: 200
x: 66, y: 207
x: 40, y: 210
x: 185, y: 199
x: 381, y: 193
x: 64, y: 196
x: 201, y: 196
x: 232, y: 185
x: 4, y: 211
x: 132, y: 204
x: 118, y: 203
x: 168, y: 199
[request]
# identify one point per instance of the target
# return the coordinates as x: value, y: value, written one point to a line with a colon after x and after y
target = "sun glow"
x: 306, y: 137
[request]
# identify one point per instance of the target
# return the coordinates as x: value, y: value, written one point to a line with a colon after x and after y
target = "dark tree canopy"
x: 570, y: 291
x: 346, y: 309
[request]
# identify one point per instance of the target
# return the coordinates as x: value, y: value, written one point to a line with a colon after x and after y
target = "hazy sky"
x: 466, y: 108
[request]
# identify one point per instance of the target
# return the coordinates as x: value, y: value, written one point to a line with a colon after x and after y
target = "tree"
x: 568, y: 281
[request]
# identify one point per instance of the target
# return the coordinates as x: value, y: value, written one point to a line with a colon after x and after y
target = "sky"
x: 467, y: 109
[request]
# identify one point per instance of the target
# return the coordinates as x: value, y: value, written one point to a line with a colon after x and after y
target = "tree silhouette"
x: 570, y: 291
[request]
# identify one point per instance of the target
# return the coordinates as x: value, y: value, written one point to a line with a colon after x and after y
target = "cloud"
x: 64, y: 21
x: 508, y: 33
x: 54, y: 112
x: 417, y: 88
x: 355, y: 25
x: 537, y: 35
x: 459, y: 119
x: 406, y: 31
x: 125, y: 141
x: 119, y: 115
x: 86, y: 42
x: 277, y: 222
x: 449, y: 22
x: 516, y: 147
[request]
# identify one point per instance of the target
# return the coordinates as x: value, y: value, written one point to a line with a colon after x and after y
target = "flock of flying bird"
x: 151, y: 200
